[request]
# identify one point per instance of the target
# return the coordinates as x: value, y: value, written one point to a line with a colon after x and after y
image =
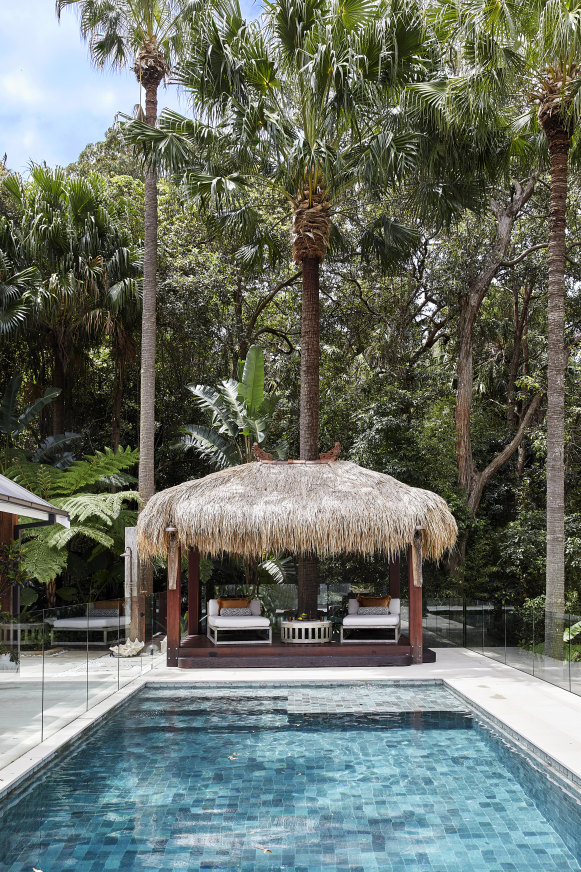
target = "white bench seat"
x: 355, y: 621
x: 237, y: 624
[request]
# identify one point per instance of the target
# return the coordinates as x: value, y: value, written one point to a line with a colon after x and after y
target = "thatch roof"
x: 332, y: 508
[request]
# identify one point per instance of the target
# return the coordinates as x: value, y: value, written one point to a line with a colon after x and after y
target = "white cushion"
x: 213, y: 607
x: 395, y: 606
x: 92, y: 623
x: 352, y: 607
x: 255, y: 607
x: 244, y: 622
x: 371, y: 621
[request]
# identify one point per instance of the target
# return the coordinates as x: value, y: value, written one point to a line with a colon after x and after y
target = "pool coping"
x: 16, y: 775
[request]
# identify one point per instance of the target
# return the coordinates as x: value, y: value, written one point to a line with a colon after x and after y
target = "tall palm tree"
x: 83, y: 260
x: 296, y: 107
x: 147, y: 36
x: 528, y: 53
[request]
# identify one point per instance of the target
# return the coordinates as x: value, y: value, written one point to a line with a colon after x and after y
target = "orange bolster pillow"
x: 374, y: 601
x: 229, y: 602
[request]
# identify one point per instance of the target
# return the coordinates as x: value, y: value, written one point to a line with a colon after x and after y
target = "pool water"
x: 365, y: 778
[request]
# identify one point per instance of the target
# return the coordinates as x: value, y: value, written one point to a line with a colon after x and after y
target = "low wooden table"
x: 306, y: 632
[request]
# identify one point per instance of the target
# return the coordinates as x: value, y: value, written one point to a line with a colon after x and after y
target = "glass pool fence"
x: 59, y: 663
x: 540, y: 642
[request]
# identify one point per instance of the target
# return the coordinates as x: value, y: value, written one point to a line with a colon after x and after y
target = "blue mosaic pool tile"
x: 365, y: 778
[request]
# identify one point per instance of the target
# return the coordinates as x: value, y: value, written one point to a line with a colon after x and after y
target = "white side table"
x: 306, y: 632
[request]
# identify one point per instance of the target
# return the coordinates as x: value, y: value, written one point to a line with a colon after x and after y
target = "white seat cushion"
x: 81, y: 623
x: 362, y: 621
x: 242, y: 622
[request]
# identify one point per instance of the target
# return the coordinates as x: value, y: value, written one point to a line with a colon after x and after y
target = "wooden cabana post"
x: 415, y: 598
x: 394, y: 578
x: 193, y: 591
x: 174, y: 558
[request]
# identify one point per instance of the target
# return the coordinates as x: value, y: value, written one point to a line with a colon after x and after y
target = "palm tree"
x: 147, y: 35
x: 525, y: 53
x: 296, y: 108
x: 83, y: 260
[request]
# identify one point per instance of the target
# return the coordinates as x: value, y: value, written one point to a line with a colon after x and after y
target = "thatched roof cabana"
x: 330, y: 508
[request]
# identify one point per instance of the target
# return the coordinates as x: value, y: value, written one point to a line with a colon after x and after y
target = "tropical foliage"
x: 241, y: 415
x: 98, y: 514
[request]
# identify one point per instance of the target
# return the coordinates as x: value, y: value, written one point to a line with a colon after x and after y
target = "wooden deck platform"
x: 198, y: 652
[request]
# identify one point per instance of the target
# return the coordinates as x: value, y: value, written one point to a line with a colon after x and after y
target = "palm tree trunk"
x: 117, y: 401
x: 559, y: 142
x: 309, y: 414
x: 308, y: 576
x: 146, y: 483
x: 58, y: 380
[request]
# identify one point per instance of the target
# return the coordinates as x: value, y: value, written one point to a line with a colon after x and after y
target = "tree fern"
x: 98, y: 517
x: 92, y: 470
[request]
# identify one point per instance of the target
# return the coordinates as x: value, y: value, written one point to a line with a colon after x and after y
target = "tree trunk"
x: 146, y: 483
x: 58, y: 380
x: 308, y: 584
x: 464, y: 372
x: 470, y: 480
x: 117, y: 401
x: 308, y: 581
x: 309, y: 414
x: 559, y: 142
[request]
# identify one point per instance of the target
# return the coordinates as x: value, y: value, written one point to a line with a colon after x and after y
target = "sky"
x: 53, y: 101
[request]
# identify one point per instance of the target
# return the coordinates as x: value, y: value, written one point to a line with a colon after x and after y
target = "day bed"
x: 103, y: 619
x: 253, y: 623
x: 355, y: 621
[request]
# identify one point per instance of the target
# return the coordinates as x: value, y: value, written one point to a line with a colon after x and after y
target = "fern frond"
x: 92, y: 470
x: 104, y: 507
x: 41, y: 561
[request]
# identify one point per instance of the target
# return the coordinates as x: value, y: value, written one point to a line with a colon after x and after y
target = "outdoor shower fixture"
x: 173, y: 557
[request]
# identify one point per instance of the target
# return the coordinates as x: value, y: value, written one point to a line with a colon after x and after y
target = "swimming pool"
x: 370, y: 777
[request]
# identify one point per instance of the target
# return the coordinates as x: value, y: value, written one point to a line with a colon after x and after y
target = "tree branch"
x: 482, y: 479
x: 280, y: 335
x: 261, y: 306
x: 530, y: 250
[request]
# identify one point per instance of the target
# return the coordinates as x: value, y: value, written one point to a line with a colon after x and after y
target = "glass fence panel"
x: 551, y: 662
x: 436, y: 622
x: 519, y: 632
x: 66, y: 660
x: 456, y: 621
x: 493, y: 631
x: 473, y: 617
x: 64, y: 667
x: 105, y: 620
x: 20, y: 686
x: 572, y: 635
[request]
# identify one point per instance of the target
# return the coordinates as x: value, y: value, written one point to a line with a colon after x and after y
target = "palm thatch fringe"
x: 328, y: 508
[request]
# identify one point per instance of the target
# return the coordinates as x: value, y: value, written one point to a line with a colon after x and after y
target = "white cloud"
x: 18, y: 88
x: 53, y: 101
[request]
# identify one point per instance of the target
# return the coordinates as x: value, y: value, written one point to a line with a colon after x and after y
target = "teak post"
x: 415, y: 598
x: 193, y: 591
x: 173, y: 605
x: 7, y: 592
x: 394, y: 579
